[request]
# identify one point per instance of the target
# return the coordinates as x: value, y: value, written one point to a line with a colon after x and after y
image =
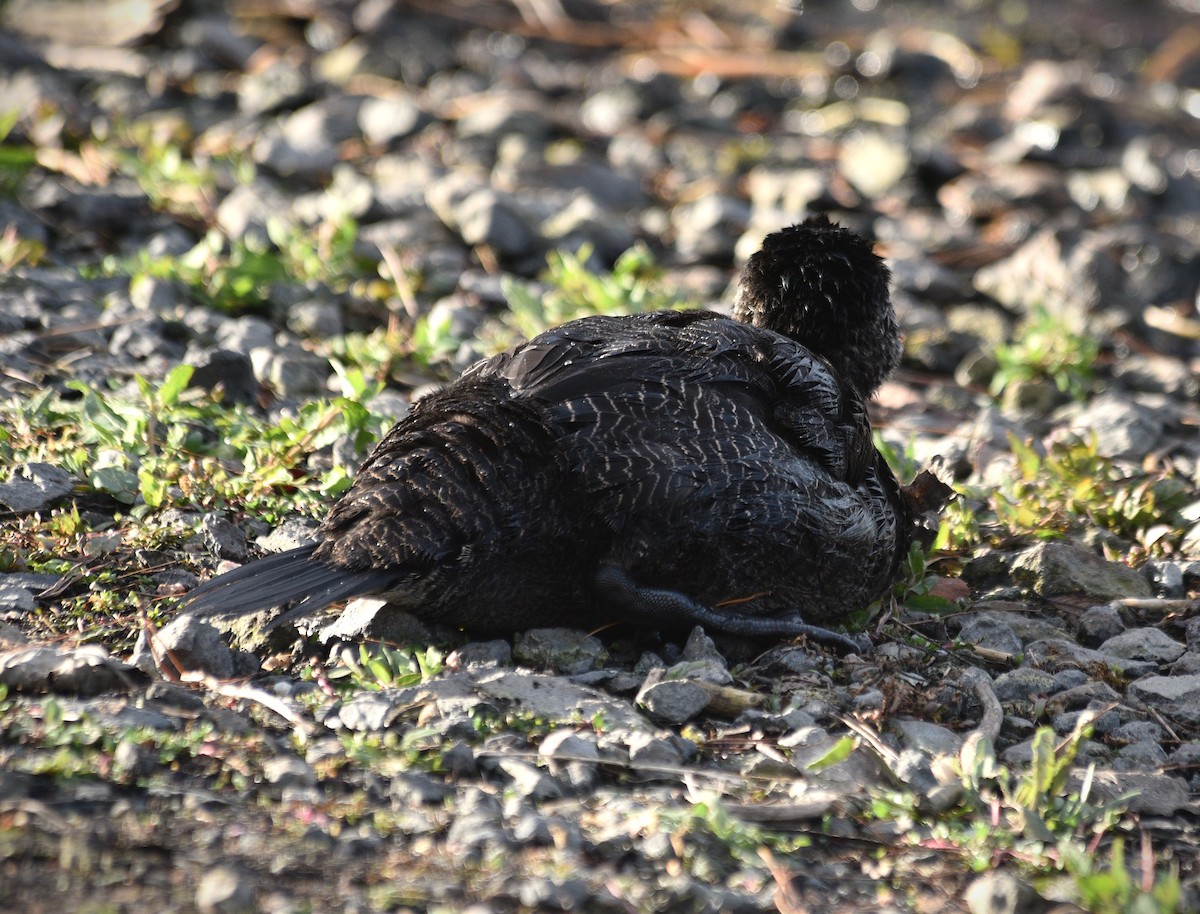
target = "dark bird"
x: 670, y: 468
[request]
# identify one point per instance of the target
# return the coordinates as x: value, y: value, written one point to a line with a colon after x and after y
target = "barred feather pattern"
x: 729, y: 461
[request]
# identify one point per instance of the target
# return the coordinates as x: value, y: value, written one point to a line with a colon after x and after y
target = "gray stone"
x: 673, y: 701
x: 216, y: 37
x: 35, y: 487
x: 225, y: 890
x: 291, y: 371
x: 711, y: 671
x: 565, y: 650
x: 1091, y: 694
x: 15, y: 599
x: 246, y: 334
x: 650, y: 752
x: 1066, y: 722
x: 476, y: 827
x: 1122, y: 427
x: 1099, y: 624
x: 416, y: 788
x: 928, y: 738
x: 304, y: 143
x: 291, y: 534
x: 1175, y: 696
x: 583, y: 221
x: 223, y: 538
x: 1167, y: 578
x: 1139, y: 791
x: 232, y: 371
x: 278, y: 85
x: 707, y: 228
x: 244, y: 213
x: 159, y: 296
x: 287, y: 770
x: 1140, y: 756
x: 10, y: 634
x: 1023, y: 684
x: 1002, y: 893
x: 1139, y: 731
x: 990, y: 633
x: 532, y: 830
x: 874, y: 162
x: 700, y: 646
x: 528, y: 780
x: 1053, y: 569
x: 559, y: 701
x: 506, y: 113
x: 373, y: 711
x: 495, y: 219
x: 1186, y: 665
x: 189, y: 643
x: 87, y: 670
x: 386, y: 119
x: 316, y: 318
x: 571, y: 757
x: 1149, y: 644
x: 370, y: 618
x: 130, y: 761
x: 1187, y: 755
x: 481, y: 653
x: 1065, y: 680
x: 1058, y: 653
x: 1071, y: 277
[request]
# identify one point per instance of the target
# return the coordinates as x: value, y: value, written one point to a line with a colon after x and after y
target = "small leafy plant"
x: 1050, y: 492
x: 576, y: 291
x: 377, y: 666
x: 1047, y: 346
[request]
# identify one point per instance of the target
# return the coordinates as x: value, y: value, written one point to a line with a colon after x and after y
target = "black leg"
x: 655, y: 606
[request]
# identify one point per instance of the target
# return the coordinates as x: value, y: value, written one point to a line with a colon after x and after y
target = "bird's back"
x: 723, y: 459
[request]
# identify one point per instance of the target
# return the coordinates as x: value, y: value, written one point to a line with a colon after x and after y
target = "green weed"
x: 1047, y: 347
x: 378, y: 666
x: 633, y: 286
x: 711, y: 840
x: 1050, y: 494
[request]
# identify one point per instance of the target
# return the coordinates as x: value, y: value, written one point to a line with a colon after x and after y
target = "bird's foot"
x: 658, y: 606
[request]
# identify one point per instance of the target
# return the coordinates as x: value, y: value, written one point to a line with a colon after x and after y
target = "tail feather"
x: 278, y: 579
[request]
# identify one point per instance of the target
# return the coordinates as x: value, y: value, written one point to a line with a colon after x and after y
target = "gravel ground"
x: 1009, y: 166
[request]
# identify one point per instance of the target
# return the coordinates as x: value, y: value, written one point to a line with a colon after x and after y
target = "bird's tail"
x: 279, y: 579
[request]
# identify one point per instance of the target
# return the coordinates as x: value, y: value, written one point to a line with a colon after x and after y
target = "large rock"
x: 1053, y: 569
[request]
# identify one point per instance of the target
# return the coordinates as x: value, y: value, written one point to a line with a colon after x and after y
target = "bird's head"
x: 824, y: 286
